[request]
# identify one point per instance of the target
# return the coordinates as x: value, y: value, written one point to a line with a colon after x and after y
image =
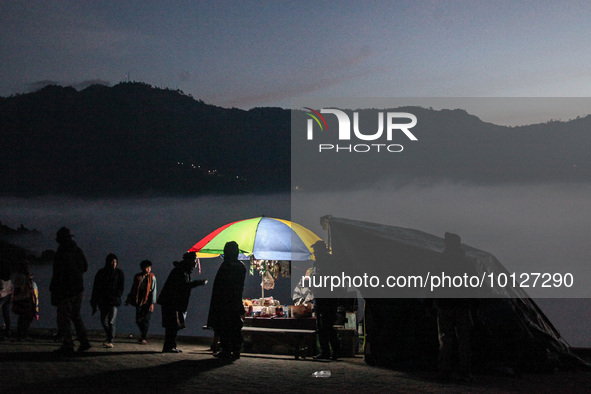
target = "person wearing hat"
x: 67, y: 291
x: 106, y: 296
x: 174, y: 299
x: 226, y: 310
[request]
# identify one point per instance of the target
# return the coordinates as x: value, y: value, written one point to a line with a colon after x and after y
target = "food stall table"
x: 297, y: 333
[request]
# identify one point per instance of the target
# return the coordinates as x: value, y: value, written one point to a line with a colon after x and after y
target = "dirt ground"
x: 30, y: 367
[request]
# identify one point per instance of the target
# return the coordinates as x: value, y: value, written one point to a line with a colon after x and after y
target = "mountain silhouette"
x: 452, y: 146
x: 135, y: 139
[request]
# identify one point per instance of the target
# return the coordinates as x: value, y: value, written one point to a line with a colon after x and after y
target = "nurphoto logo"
x: 394, y: 125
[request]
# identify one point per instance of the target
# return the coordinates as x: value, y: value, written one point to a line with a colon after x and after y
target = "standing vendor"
x: 326, y: 308
x: 226, y: 311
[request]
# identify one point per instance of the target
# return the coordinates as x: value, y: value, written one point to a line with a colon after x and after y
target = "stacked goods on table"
x: 263, y: 307
x: 269, y: 307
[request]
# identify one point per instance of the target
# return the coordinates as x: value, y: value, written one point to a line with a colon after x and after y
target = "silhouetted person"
x: 454, y: 320
x: 174, y: 299
x: 67, y: 291
x: 226, y: 310
x: 106, y: 295
x: 24, y: 301
x: 6, y: 290
x: 325, y: 307
x: 143, y: 297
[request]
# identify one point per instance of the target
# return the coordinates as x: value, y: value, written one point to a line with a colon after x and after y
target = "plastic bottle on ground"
x: 321, y: 374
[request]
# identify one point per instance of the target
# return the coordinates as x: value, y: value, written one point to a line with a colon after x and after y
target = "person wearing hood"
x: 226, y: 311
x: 106, y: 296
x: 67, y: 291
x: 174, y: 299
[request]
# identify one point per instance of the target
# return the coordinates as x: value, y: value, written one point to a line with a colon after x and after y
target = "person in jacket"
x: 106, y: 296
x: 174, y: 299
x: 326, y: 307
x: 25, y: 300
x: 226, y: 310
x: 67, y: 291
x: 454, y: 318
x: 6, y: 290
x: 143, y: 297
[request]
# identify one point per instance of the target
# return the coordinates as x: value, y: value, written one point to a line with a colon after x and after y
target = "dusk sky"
x: 267, y: 53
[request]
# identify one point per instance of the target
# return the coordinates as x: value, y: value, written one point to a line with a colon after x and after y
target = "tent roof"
x: 392, y: 249
x: 370, y: 245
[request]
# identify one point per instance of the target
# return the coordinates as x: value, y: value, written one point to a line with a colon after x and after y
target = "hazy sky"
x: 266, y: 53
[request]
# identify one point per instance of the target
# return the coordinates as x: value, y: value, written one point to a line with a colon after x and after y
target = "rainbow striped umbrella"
x: 265, y: 238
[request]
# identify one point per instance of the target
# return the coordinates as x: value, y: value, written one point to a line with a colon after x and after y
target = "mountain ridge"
x: 133, y: 139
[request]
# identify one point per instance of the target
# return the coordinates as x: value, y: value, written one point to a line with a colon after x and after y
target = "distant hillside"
x: 452, y: 146
x: 136, y: 139
x: 7, y: 232
x: 11, y: 250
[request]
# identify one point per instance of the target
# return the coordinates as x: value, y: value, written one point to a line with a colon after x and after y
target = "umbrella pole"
x: 262, y: 287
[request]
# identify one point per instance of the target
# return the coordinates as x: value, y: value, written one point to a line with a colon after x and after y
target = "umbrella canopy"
x: 265, y: 238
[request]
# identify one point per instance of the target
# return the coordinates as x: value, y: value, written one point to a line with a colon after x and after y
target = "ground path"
x: 129, y: 367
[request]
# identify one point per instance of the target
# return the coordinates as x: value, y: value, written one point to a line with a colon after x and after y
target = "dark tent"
x: 510, y: 332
